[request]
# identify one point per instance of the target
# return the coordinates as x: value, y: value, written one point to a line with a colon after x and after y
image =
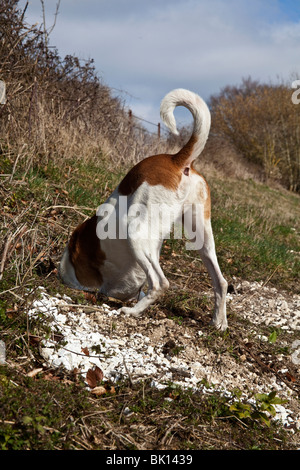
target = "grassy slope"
x: 257, y: 237
x: 257, y: 232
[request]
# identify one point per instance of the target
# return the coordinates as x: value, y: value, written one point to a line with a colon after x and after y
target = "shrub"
x: 264, y: 125
x: 59, y: 108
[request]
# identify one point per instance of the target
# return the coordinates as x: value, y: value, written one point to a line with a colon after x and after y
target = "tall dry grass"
x: 58, y: 108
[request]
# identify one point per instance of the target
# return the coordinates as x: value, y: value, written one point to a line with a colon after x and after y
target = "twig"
x: 76, y: 353
x: 86, y: 308
x: 70, y: 207
x: 12, y: 288
x: 33, y: 263
x: 15, y: 165
x: 129, y: 375
x: 4, y: 256
x: 74, y: 208
x: 247, y: 298
x: 170, y: 429
x: 266, y: 367
x: 271, y: 275
x: 49, y: 31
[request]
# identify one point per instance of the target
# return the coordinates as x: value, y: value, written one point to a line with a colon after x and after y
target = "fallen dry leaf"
x: 34, y: 372
x: 85, y: 351
x: 90, y: 297
x: 290, y: 377
x: 110, y: 389
x: 94, y: 376
x: 33, y: 339
x: 100, y: 390
x: 51, y: 377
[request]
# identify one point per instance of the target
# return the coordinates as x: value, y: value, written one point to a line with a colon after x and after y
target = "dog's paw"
x: 219, y: 325
x: 129, y: 311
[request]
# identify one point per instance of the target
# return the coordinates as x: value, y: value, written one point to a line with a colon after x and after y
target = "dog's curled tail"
x: 201, y: 115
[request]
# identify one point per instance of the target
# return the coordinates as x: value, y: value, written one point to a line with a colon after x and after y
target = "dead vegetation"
x: 52, y: 102
x: 263, y: 124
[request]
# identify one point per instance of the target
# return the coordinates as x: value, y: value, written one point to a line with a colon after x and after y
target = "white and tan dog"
x: 114, y: 253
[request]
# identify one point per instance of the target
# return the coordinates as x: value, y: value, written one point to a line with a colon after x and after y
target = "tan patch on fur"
x: 207, y: 205
x: 164, y: 169
x: 86, y: 255
x: 182, y: 157
x: 207, y: 199
x: 158, y: 169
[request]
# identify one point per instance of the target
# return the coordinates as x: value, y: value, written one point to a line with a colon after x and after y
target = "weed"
x: 260, y: 409
x: 273, y: 337
x: 33, y: 411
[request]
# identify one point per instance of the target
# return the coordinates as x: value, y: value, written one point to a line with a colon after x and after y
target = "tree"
x: 264, y: 125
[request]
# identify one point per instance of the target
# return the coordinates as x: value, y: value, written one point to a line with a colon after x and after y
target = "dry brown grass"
x: 58, y: 109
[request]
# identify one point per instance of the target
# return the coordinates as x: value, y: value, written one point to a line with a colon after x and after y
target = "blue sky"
x: 143, y: 48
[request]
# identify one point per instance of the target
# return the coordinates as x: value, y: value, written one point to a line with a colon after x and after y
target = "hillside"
x: 166, y: 380
x: 258, y: 247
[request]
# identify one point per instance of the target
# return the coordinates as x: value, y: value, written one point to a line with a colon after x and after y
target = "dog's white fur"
x: 126, y: 264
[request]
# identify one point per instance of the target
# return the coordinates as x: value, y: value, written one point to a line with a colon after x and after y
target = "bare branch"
x: 48, y: 31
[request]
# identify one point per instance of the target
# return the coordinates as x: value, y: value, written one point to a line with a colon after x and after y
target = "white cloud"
x: 285, y: 35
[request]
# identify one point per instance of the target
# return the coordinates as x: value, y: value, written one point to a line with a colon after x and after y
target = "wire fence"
x: 131, y: 116
x: 160, y: 129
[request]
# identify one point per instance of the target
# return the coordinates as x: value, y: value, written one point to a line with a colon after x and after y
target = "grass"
x: 257, y: 232
x: 54, y: 411
x: 257, y: 237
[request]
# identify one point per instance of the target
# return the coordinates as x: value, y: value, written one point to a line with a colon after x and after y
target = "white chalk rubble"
x: 79, y: 342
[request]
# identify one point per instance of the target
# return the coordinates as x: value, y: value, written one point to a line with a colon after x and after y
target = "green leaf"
x: 272, y: 337
x: 272, y: 410
x: 40, y: 429
x: 278, y: 401
x: 272, y: 395
x: 259, y: 415
x: 27, y: 420
x: 265, y: 419
x: 261, y: 396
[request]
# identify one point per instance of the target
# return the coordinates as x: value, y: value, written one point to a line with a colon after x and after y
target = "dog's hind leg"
x: 209, y: 258
x: 203, y: 241
x: 157, y: 283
